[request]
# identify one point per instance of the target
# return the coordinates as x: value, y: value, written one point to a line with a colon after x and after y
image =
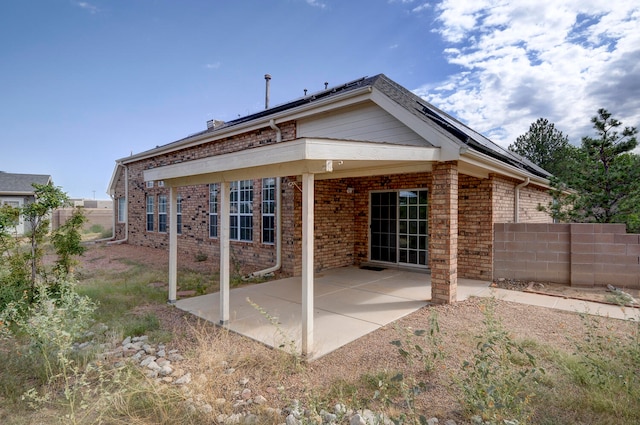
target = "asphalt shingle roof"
x: 462, y: 134
x: 21, y: 183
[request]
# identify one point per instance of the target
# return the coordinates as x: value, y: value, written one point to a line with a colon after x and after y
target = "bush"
x: 496, y: 382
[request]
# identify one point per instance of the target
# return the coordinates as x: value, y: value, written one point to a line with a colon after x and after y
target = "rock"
x: 149, y: 349
x: 250, y: 419
x: 147, y: 360
x: 450, y: 422
x: 244, y: 381
x: 432, y: 421
x: 220, y: 401
x: 126, y: 341
x: 357, y: 419
x: 340, y: 409
x: 259, y: 400
x: 165, y: 370
x: 329, y: 418
x: 185, y: 379
x: 246, y: 394
x: 291, y: 420
x: 161, y: 353
x: 175, y: 357
x: 162, y: 361
x: 153, y: 366
x: 233, y: 419
x: 477, y: 420
x: 206, y: 408
x: 229, y: 371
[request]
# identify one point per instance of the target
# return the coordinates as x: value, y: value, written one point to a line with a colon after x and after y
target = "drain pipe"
x: 516, y: 212
x: 278, y: 264
x: 272, y: 124
x: 126, y: 221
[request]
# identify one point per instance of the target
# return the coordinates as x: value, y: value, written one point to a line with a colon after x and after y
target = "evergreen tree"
x: 546, y: 147
x: 606, y: 183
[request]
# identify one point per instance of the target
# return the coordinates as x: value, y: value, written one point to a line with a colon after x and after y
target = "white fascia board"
x: 287, y: 158
x: 319, y: 106
x: 493, y: 165
x: 431, y: 133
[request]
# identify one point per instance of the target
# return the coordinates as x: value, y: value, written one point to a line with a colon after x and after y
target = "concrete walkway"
x: 350, y: 303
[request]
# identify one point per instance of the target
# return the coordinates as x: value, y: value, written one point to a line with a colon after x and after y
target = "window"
x: 149, y: 184
x: 268, y: 210
x: 162, y: 213
x: 161, y: 183
x: 213, y: 210
x: 241, y: 209
x: 150, y: 211
x: 122, y: 210
x: 179, y: 214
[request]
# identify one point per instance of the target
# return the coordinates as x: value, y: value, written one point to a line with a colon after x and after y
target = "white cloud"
x: 561, y: 60
x: 214, y: 65
x: 88, y: 7
x: 316, y: 3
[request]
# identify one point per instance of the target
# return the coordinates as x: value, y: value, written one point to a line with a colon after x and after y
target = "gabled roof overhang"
x: 326, y: 158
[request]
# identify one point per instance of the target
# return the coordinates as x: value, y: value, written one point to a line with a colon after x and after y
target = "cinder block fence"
x: 576, y: 254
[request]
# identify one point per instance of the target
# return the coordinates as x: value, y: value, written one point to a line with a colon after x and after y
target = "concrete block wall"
x: 584, y: 255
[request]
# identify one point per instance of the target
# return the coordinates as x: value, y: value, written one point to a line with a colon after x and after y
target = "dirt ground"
x: 459, y: 324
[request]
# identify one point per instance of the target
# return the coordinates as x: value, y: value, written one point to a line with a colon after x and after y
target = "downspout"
x: 516, y: 212
x: 278, y: 263
x: 272, y: 124
x: 126, y: 221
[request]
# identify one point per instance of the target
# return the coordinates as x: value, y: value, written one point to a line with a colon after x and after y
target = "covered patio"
x: 349, y: 302
x: 315, y: 159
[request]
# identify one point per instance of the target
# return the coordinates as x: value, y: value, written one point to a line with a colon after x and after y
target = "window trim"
x: 122, y: 209
x: 150, y: 202
x: 162, y: 214
x: 179, y: 215
x: 214, y: 189
x: 268, y: 203
x: 241, y: 211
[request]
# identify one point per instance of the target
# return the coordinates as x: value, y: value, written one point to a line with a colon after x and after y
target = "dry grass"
x: 361, y: 374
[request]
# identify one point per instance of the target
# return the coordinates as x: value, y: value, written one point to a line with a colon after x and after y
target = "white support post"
x: 307, y: 263
x: 173, y: 244
x: 224, y: 228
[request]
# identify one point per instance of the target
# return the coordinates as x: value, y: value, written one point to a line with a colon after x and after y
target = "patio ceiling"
x: 326, y: 158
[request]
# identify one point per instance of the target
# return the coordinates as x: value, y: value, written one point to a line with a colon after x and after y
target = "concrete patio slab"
x: 350, y: 302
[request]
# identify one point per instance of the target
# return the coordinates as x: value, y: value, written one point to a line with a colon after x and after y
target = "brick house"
x: 362, y: 173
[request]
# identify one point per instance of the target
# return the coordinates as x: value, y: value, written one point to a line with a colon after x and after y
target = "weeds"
x: 411, y: 349
x: 496, y: 383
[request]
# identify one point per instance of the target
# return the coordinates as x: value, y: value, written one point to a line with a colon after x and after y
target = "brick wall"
x: 575, y: 254
x: 363, y: 187
x: 475, y: 245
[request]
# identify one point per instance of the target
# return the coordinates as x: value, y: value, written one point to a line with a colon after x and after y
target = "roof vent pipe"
x: 267, y: 79
x: 326, y: 84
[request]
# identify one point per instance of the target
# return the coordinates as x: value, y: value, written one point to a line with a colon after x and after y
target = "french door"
x: 399, y: 227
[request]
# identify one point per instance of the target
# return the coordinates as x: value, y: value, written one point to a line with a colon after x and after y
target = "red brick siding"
x: 443, y: 238
x: 363, y: 187
x: 475, y: 242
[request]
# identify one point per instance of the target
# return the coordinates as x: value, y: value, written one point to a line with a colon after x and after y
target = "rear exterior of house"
x: 17, y: 190
x: 361, y: 174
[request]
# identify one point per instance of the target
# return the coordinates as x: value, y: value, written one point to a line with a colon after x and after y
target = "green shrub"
x: 496, y: 382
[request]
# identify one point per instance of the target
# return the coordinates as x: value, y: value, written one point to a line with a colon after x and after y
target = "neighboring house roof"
x: 454, y: 136
x: 21, y: 184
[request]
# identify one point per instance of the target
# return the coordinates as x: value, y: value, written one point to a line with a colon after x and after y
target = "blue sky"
x: 83, y: 83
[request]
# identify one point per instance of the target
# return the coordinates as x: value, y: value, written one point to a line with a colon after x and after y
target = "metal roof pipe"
x: 267, y: 79
x: 516, y: 207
